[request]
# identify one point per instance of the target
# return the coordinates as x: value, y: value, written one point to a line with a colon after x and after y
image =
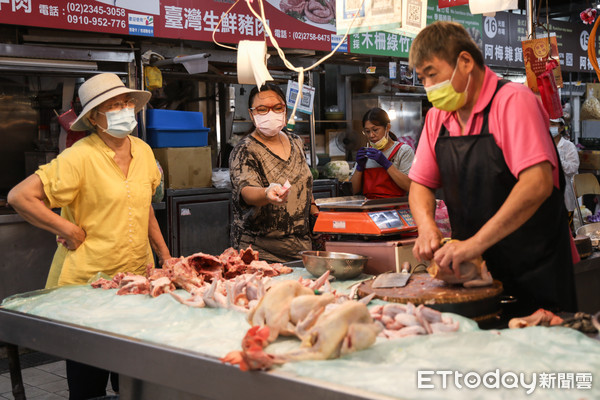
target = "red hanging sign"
x: 452, y: 3
x: 195, y: 20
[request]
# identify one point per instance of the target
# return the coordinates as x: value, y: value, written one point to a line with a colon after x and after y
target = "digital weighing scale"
x: 376, y: 228
x: 357, y: 215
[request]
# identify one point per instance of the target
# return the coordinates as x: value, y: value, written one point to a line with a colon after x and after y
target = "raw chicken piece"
x: 540, y: 317
x: 192, y: 301
x: 304, y: 310
x: 248, y: 255
x: 215, y: 297
x: 402, y: 320
x: 134, y: 284
x: 407, y: 331
x: 104, y: 284
x: 252, y: 356
x: 344, y: 329
x: 473, y: 273
x: 160, y: 286
x: 273, y: 310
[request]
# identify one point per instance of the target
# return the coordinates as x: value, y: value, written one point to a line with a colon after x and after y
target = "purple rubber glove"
x: 361, y: 159
x: 378, y: 157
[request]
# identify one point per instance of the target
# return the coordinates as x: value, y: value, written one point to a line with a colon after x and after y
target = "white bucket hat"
x: 100, y: 88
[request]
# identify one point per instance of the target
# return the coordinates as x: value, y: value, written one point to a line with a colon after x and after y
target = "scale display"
x: 387, y: 219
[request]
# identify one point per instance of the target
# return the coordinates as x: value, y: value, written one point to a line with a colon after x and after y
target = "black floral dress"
x: 277, y: 232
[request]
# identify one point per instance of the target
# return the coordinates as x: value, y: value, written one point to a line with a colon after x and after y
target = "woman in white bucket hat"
x: 103, y: 185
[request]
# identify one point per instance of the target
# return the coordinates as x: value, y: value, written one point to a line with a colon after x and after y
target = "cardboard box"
x: 589, y: 159
x: 185, y: 167
x: 383, y: 256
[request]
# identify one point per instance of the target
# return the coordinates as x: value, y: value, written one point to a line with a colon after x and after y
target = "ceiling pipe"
x: 530, y: 10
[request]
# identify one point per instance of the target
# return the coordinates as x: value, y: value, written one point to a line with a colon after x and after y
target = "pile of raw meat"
x: 195, y: 273
x: 329, y: 324
x: 402, y: 320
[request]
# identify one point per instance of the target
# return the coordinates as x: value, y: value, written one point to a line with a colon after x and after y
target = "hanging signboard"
x: 502, y: 36
x: 179, y: 19
x: 452, y: 3
x: 396, y: 45
x: 365, y: 16
x: 405, y: 17
x: 380, y: 43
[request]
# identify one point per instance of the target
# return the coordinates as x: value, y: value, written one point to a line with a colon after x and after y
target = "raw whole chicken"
x: 273, y: 310
x: 473, y: 273
x: 343, y: 329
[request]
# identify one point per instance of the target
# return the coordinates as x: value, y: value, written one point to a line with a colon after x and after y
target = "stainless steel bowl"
x: 590, y: 230
x: 341, y: 265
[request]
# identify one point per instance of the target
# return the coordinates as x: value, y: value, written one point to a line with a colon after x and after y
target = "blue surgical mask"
x: 120, y: 123
x: 554, y: 131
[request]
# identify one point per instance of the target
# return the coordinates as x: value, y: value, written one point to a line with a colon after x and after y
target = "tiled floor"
x: 44, y: 382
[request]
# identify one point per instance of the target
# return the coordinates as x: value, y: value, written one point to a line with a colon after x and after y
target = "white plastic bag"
x: 221, y: 178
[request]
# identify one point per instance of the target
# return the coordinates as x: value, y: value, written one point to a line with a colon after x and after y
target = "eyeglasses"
x: 375, y: 130
x: 119, y: 105
x: 262, y: 110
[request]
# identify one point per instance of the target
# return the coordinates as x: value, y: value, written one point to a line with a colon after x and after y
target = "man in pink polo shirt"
x: 487, y: 144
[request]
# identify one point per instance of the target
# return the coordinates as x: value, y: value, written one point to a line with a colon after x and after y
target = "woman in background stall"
x: 382, y: 167
x: 569, y: 160
x: 267, y: 215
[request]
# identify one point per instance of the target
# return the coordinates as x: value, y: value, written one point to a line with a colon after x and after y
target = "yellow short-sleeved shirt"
x: 111, y: 208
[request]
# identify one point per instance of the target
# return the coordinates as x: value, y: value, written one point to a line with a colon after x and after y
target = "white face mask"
x: 120, y: 123
x: 554, y: 131
x: 269, y: 124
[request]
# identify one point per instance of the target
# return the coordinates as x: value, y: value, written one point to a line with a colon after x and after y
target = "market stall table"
x: 165, y: 349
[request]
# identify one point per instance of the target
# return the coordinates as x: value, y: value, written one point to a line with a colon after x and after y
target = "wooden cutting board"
x: 476, y: 303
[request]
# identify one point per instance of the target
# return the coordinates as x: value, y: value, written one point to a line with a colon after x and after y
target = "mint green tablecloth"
x: 389, y: 367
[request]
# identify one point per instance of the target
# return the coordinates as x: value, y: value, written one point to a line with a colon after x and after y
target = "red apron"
x: 378, y: 184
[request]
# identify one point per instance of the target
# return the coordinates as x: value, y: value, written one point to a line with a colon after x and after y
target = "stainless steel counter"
x: 153, y: 371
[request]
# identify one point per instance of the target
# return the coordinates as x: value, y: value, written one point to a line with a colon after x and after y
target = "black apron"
x: 534, y: 263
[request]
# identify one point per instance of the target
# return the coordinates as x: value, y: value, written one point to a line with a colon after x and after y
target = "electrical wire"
x: 219, y: 24
x: 289, y: 65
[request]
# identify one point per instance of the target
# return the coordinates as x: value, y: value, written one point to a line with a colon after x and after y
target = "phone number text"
x: 321, y: 37
x: 95, y: 9
x: 96, y: 21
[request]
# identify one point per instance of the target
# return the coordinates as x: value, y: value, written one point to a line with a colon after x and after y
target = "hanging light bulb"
x: 392, y: 114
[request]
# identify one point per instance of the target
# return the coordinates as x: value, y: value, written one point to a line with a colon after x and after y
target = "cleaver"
x: 394, y: 279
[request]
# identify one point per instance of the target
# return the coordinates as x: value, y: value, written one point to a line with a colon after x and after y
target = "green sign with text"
x: 392, y: 44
